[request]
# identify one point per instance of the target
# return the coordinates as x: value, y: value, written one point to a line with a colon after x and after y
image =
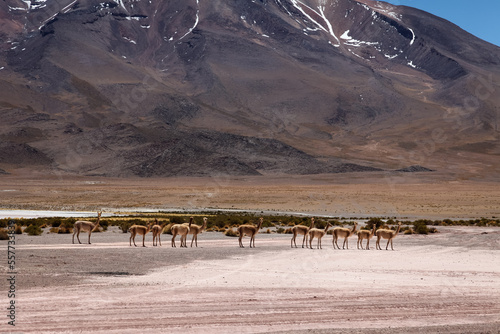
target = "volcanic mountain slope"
x: 243, y: 87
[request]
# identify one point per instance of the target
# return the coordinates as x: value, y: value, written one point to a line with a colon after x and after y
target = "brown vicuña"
x: 318, y: 233
x: 386, y: 234
x: 196, y: 229
x: 157, y: 230
x: 342, y: 232
x: 366, y: 234
x: 141, y: 230
x: 251, y: 231
x: 84, y: 225
x: 182, y: 230
x: 301, y: 229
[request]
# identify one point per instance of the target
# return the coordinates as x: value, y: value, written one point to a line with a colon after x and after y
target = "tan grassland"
x: 422, y: 195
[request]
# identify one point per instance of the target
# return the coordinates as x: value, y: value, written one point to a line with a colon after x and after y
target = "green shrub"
x: 104, y: 225
x: 377, y: 221
x: 33, y: 230
x: 268, y: 224
x: 56, y: 224
x: 280, y: 230
x: 420, y: 227
x: 124, y: 226
x: 65, y: 228
x: 168, y: 229
x: 177, y: 220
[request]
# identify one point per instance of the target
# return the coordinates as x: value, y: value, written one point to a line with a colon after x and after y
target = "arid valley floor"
x: 447, y: 282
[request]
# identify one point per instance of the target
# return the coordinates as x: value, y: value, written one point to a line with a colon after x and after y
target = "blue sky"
x: 479, y: 17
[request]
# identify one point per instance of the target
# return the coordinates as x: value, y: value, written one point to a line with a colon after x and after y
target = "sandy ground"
x: 442, y: 283
x: 401, y: 195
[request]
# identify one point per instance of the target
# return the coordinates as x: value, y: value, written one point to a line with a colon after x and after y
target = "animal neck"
x: 260, y: 224
x: 204, y: 226
x: 312, y: 225
x: 95, y: 225
x: 373, y: 230
x: 353, y: 229
x: 397, y: 230
x: 327, y: 227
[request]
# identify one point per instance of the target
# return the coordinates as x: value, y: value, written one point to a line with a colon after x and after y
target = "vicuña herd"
x: 250, y: 230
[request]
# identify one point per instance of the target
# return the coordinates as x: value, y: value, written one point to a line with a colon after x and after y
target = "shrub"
x: 267, y: 224
x: 3, y: 234
x: 177, y: 220
x: 18, y: 230
x: 377, y: 221
x: 167, y: 229
x: 288, y: 231
x: 231, y: 233
x: 433, y: 230
x: 280, y: 230
x: 420, y: 227
x: 55, y: 224
x: 33, y: 230
x: 104, y: 225
x: 124, y: 226
x: 64, y: 228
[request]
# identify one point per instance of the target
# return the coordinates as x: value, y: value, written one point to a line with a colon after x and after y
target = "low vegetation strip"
x: 229, y: 223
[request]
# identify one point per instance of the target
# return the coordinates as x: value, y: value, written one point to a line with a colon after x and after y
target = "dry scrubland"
x: 421, y: 195
x: 447, y: 282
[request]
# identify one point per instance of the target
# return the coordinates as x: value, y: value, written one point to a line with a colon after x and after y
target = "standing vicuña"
x: 342, y: 232
x: 301, y: 229
x: 141, y: 230
x: 251, y: 231
x: 195, y: 230
x: 366, y: 234
x: 182, y: 230
x: 157, y: 229
x: 387, y: 234
x: 83, y: 225
x: 317, y: 233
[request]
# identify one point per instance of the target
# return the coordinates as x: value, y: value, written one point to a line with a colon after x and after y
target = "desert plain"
x: 448, y: 282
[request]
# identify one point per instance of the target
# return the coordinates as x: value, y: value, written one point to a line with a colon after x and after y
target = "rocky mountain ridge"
x: 194, y: 87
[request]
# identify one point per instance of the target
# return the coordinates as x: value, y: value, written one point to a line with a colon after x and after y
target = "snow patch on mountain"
x: 196, y: 21
x: 354, y: 42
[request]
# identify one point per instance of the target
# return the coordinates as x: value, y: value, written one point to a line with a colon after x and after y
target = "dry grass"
x: 352, y: 195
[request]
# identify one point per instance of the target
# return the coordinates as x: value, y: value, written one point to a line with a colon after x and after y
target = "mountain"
x: 243, y: 87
